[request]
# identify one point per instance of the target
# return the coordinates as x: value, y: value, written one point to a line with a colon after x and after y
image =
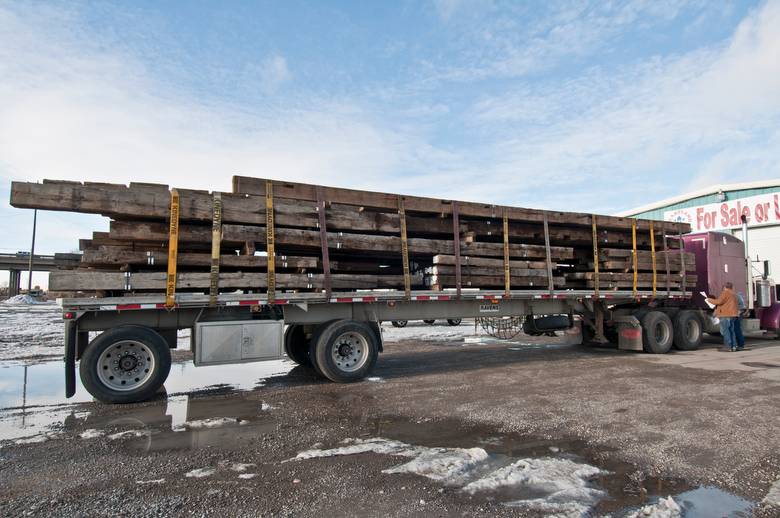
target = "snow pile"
x: 664, y: 508
x: 146, y: 482
x: 24, y: 299
x: 559, y: 486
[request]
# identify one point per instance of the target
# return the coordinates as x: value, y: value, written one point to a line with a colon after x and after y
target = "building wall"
x: 763, y: 241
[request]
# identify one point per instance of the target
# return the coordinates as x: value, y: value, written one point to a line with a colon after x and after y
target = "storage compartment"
x: 237, y: 341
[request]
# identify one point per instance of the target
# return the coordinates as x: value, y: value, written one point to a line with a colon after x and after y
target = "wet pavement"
x: 446, y: 426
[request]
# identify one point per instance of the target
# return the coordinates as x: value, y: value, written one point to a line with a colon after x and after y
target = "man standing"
x: 727, y: 310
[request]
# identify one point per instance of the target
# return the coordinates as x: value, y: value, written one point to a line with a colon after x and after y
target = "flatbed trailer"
x: 339, y: 336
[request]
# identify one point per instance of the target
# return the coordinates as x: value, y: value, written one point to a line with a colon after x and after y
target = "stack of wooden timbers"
x: 277, y: 237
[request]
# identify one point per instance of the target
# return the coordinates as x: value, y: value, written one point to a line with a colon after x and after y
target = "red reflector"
x: 69, y: 315
x: 631, y: 333
x: 494, y: 301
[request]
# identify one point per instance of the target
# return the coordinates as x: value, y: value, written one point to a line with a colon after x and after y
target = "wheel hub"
x: 350, y: 352
x: 125, y: 365
x: 345, y: 350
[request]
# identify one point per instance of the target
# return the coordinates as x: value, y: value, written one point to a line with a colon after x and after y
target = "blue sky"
x: 568, y: 105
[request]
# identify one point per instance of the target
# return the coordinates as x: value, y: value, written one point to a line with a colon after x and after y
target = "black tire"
x: 138, y: 347
x: 345, y: 340
x: 657, y: 332
x: 399, y: 323
x: 296, y: 346
x: 688, y: 331
x: 429, y: 322
x: 315, y: 336
x: 454, y: 321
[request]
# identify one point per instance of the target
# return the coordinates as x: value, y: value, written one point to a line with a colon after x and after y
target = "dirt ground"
x: 703, y: 424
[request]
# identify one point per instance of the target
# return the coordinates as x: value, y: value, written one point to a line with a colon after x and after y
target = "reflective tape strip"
x: 173, y: 251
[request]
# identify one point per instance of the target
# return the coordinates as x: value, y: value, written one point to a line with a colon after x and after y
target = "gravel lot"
x: 700, y: 427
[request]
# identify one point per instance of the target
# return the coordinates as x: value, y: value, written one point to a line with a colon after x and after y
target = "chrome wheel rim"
x: 350, y: 352
x: 125, y: 365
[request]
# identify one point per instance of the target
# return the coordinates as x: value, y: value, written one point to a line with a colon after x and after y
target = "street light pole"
x: 32, y: 251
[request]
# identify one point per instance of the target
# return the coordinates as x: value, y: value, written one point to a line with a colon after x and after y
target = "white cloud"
x: 272, y: 74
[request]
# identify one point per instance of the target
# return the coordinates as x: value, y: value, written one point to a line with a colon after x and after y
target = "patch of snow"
x: 451, y: 466
x: 25, y: 299
x: 213, y: 422
x: 664, y: 508
x: 266, y: 407
x: 559, y: 486
x: 562, y: 483
x: 375, y: 379
x: 91, y: 434
x: 247, y: 476
x: 421, y: 331
x: 773, y: 496
x: 237, y: 466
x: 200, y: 472
x: 32, y: 439
x: 128, y: 434
x: 145, y: 482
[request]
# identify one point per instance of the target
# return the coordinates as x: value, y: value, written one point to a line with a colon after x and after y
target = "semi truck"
x: 122, y: 344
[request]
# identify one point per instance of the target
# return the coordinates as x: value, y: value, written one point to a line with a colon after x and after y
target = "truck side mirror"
x: 767, y: 269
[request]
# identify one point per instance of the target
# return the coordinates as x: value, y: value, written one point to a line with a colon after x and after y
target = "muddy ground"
x: 702, y: 427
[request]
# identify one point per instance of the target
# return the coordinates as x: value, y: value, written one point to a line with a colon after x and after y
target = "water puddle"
x: 32, y: 396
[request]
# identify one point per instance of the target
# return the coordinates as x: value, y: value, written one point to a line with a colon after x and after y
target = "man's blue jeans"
x: 740, y: 338
x: 727, y: 331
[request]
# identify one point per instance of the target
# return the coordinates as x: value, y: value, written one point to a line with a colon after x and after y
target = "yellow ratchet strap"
x: 507, y: 274
x: 652, y: 253
x: 633, y: 252
x: 216, y: 246
x: 595, y: 256
x: 173, y: 251
x: 404, y: 249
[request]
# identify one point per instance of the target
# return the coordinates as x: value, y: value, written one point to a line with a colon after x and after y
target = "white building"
x: 720, y: 208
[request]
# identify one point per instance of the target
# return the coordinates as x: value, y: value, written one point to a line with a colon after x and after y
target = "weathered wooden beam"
x: 88, y: 280
x: 300, y: 191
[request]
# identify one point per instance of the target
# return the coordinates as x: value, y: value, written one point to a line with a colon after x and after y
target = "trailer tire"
x: 345, y: 351
x: 688, y: 331
x: 454, y: 321
x: 399, y: 323
x: 657, y: 332
x: 429, y: 322
x: 140, y: 367
x: 296, y: 346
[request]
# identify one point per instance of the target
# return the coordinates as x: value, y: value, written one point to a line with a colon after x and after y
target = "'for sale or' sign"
x: 763, y: 209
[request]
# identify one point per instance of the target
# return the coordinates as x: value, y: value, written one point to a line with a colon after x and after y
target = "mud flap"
x: 70, y: 357
x: 629, y: 333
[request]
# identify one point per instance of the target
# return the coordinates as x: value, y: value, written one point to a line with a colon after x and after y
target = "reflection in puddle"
x: 32, y: 396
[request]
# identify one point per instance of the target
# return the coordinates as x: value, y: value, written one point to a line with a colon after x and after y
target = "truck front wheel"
x: 657, y: 332
x: 126, y: 364
x: 345, y: 351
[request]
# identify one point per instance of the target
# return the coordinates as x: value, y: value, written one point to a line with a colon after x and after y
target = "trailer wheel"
x: 345, y: 351
x: 454, y: 321
x: 657, y: 332
x: 429, y: 322
x: 399, y: 323
x: 296, y: 346
x: 126, y: 364
x: 688, y: 331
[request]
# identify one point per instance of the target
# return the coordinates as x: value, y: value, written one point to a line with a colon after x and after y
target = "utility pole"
x: 32, y: 251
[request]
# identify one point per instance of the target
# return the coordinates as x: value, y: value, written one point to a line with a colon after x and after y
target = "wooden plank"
x: 300, y: 191
x: 119, y: 256
x: 482, y: 261
x: 481, y: 270
x: 86, y: 280
x: 492, y: 281
x: 285, y: 237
